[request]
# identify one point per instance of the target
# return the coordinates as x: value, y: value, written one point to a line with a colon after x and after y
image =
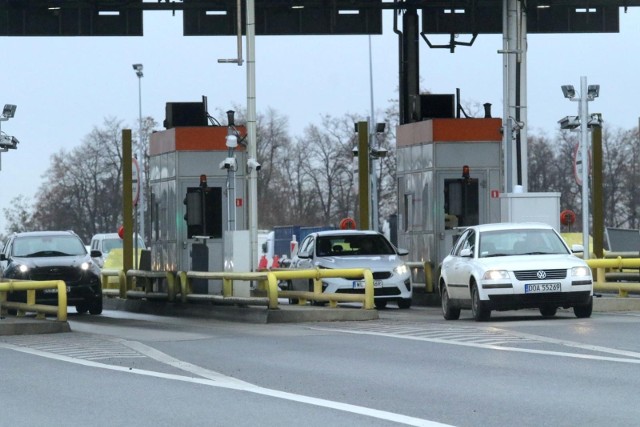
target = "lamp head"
x: 568, y: 91
x: 9, y: 111
x: 593, y: 91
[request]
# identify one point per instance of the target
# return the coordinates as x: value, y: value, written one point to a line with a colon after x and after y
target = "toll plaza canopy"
x: 301, y: 17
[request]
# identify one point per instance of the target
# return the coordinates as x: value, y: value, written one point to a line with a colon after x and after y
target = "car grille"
x: 376, y: 291
x: 68, y: 274
x: 556, y: 274
x: 510, y: 302
x: 377, y: 275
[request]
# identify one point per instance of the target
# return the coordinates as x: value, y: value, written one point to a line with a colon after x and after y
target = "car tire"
x: 478, y: 307
x: 449, y: 312
x: 584, y: 311
x: 404, y: 303
x: 380, y: 303
x: 548, y: 311
x: 96, y: 307
x: 82, y: 308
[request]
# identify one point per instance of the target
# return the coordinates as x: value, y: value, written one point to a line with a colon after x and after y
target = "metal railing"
x: 30, y: 305
x: 604, y: 278
x: 267, y: 281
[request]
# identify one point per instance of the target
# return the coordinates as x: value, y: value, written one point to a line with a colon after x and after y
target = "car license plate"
x: 536, y: 288
x: 359, y: 284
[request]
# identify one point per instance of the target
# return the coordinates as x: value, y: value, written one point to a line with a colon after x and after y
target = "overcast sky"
x: 64, y: 87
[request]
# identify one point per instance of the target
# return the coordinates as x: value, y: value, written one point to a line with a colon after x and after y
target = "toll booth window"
x: 461, y: 203
x: 408, y: 212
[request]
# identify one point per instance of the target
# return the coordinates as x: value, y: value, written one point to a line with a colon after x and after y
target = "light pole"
x: 587, y: 93
x: 140, y: 156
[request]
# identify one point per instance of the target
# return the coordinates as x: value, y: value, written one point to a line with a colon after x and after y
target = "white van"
x: 104, y: 242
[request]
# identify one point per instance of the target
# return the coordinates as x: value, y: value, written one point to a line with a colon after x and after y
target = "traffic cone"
x: 276, y: 262
x: 262, y: 265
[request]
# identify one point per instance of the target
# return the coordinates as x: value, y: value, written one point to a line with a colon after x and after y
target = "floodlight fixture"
x: 568, y: 91
x: 379, y: 153
x: 138, y: 69
x: 9, y: 111
x: 569, y: 122
x: 593, y: 91
x: 380, y: 127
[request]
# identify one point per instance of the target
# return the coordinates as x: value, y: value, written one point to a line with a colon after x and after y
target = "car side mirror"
x: 96, y: 253
x: 3, y: 257
x: 304, y: 255
x: 402, y: 252
x: 466, y: 253
x: 577, y: 248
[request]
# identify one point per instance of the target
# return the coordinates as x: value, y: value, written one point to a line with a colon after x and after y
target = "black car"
x: 53, y: 255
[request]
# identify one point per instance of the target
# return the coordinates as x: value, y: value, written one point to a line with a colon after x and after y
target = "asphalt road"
x: 410, y: 367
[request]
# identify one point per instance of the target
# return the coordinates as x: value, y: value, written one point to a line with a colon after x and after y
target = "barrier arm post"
x: 272, y: 290
x: 368, y: 290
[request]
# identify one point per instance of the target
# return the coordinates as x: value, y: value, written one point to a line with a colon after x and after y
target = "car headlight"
x: 580, y: 271
x: 401, y: 269
x: 85, y: 265
x: 495, y: 275
x: 23, y: 268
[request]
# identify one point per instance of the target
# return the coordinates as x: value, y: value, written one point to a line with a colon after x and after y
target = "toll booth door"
x: 459, y: 206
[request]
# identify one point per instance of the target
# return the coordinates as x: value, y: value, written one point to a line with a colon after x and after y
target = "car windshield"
x: 520, y: 242
x: 108, y: 244
x: 352, y: 245
x: 46, y: 246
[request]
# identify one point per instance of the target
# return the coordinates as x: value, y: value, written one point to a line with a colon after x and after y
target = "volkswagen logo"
x: 541, y: 274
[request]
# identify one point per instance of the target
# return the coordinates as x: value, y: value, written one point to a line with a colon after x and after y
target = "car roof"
x: 45, y: 233
x: 511, y: 226
x: 345, y: 232
x: 104, y: 236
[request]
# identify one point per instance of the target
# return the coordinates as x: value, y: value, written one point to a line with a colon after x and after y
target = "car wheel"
x: 449, y: 312
x: 584, y: 311
x: 380, y: 303
x: 96, y: 307
x: 82, y: 308
x: 404, y: 303
x: 478, y: 307
x: 548, y: 311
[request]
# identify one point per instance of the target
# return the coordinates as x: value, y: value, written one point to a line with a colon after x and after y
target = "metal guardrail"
x: 180, y: 284
x: 603, y: 282
x: 30, y: 306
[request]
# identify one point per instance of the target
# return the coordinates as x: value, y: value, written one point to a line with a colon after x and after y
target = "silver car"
x: 356, y: 249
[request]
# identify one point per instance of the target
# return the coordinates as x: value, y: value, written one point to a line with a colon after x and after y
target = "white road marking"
x: 634, y: 356
x: 214, y: 379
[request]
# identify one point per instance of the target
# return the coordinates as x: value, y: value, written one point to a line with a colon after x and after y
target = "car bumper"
x: 400, y: 288
x: 510, y: 296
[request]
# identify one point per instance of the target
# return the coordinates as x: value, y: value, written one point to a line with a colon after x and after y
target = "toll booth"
x: 197, y: 195
x: 449, y: 176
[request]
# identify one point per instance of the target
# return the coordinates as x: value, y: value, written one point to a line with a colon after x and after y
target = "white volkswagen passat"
x: 356, y: 249
x: 510, y: 266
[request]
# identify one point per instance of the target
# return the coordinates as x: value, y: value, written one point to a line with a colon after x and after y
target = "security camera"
x: 253, y: 164
x: 228, y: 163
